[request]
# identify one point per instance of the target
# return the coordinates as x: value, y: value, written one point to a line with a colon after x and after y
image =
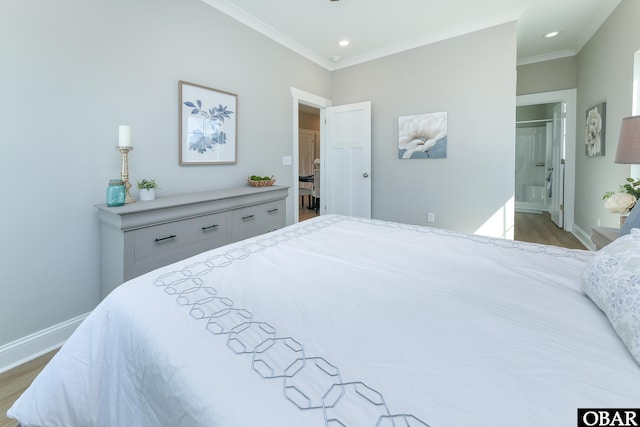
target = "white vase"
x: 147, y: 194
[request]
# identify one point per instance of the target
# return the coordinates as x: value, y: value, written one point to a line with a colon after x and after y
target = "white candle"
x: 124, y: 136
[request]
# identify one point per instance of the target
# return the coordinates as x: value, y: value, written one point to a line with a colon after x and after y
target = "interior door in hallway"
x: 345, y: 165
x: 556, y: 208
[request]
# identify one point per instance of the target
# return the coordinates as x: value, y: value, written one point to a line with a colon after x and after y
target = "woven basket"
x: 263, y: 183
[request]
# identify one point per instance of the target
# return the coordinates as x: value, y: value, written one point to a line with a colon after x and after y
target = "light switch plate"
x: 286, y: 160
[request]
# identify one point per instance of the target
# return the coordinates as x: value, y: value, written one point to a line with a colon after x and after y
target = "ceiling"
x: 377, y: 28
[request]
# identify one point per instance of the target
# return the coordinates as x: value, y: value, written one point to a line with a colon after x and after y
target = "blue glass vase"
x: 115, y: 193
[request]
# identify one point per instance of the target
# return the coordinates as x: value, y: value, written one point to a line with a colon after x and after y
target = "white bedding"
x: 433, y: 327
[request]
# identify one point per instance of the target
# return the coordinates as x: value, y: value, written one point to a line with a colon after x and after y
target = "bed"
x: 340, y: 321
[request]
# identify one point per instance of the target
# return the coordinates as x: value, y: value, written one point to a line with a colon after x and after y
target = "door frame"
x: 568, y: 96
x: 301, y: 97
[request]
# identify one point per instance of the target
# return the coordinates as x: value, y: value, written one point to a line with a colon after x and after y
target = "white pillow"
x: 612, y: 281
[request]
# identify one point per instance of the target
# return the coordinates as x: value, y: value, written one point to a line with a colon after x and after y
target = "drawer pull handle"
x: 273, y: 210
x: 210, y: 227
x: 160, y: 239
x: 248, y: 217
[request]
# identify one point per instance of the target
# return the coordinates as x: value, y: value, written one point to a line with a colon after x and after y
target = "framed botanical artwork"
x: 207, y: 125
x: 595, y: 125
x: 423, y: 136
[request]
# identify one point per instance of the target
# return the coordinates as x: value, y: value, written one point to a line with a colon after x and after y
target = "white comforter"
x: 420, y: 326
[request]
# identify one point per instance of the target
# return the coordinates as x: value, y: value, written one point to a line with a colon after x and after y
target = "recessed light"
x: 552, y: 34
x: 344, y: 42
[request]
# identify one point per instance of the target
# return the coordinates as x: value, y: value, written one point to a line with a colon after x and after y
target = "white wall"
x: 71, y: 72
x: 473, y: 79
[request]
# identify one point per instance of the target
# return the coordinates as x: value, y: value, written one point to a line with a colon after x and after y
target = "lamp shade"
x: 629, y: 142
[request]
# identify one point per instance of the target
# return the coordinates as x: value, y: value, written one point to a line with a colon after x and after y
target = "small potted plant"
x: 147, y: 189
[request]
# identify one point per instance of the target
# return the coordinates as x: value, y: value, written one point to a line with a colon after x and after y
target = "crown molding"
x: 546, y: 57
x: 252, y: 22
x: 268, y: 31
x: 424, y: 41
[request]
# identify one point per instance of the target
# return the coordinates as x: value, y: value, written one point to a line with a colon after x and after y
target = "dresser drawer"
x: 139, y: 237
x: 170, y: 236
x: 254, y: 220
x: 275, y: 216
x: 144, y: 265
x: 214, y: 229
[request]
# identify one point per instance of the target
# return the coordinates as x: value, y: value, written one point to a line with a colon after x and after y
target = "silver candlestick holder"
x: 124, y: 172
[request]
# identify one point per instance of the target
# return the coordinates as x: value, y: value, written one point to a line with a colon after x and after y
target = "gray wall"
x: 475, y: 85
x: 533, y: 112
x: 605, y: 73
x: 547, y: 76
x: 72, y: 71
x: 602, y: 71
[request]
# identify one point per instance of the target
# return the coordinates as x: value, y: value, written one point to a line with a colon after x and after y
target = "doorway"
x: 345, y: 145
x: 555, y: 120
x: 535, y: 142
x: 308, y: 161
x: 300, y: 97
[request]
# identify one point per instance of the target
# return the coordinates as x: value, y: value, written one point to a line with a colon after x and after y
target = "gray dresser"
x: 602, y: 236
x: 143, y: 236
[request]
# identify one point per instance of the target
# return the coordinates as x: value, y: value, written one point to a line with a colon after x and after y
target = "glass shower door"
x: 531, y: 149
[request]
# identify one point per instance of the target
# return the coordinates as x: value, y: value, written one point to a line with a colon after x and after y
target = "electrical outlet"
x: 431, y: 217
x: 286, y: 160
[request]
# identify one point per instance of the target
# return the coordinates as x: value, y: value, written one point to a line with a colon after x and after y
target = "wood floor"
x: 15, y: 381
x: 533, y: 228
x: 538, y: 228
x: 304, y: 211
x: 529, y: 227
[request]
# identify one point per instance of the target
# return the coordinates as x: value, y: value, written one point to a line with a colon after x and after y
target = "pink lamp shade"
x: 629, y: 142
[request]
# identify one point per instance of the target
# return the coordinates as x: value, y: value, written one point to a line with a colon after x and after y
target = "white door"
x: 557, y: 173
x: 345, y: 160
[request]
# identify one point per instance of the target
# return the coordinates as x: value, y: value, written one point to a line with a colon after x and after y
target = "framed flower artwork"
x: 207, y: 125
x: 595, y: 124
x: 423, y: 136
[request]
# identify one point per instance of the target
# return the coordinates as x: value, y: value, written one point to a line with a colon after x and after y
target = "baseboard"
x: 28, y: 348
x: 584, y: 237
x: 530, y: 211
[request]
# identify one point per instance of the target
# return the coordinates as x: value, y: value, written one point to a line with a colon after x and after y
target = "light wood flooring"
x: 529, y: 227
x: 534, y: 228
x: 303, y: 208
x: 538, y: 228
x: 16, y: 381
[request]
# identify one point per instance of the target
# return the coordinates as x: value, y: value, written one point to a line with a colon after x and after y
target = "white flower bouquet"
x: 625, y: 199
x: 620, y: 203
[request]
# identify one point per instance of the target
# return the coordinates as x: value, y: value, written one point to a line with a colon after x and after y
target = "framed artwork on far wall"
x: 207, y: 125
x: 595, y: 125
x: 423, y: 136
